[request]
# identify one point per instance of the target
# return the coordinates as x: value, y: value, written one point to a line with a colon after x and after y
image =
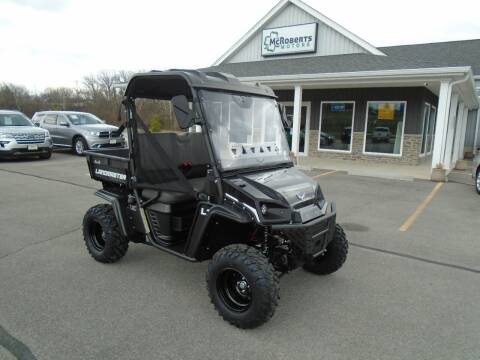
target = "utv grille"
x: 29, y: 138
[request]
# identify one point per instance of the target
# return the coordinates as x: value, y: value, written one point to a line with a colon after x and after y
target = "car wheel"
x: 102, y: 234
x: 477, y: 181
x: 79, y: 146
x: 243, y: 286
x: 46, y: 155
x: 334, y: 256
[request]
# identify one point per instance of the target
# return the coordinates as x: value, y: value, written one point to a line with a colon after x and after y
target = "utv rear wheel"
x: 102, y: 234
x: 334, y: 256
x: 243, y: 286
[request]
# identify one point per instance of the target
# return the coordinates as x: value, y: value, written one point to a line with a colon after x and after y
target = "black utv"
x: 219, y: 186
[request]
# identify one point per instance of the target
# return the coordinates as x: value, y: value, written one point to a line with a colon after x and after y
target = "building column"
x: 457, y: 134
x: 297, y: 116
x: 475, y: 141
x: 463, y: 131
x: 447, y: 155
x: 441, y: 124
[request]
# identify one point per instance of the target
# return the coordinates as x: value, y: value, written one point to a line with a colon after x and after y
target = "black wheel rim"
x: 234, y: 290
x: 97, y: 236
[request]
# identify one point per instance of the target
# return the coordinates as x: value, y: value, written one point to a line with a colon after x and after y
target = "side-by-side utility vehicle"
x: 220, y: 187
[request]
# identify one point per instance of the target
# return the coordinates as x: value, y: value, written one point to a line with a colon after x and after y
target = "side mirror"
x: 283, y: 113
x: 64, y: 123
x: 182, y: 111
x: 36, y: 124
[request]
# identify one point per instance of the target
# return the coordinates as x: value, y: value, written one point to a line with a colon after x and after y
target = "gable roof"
x: 418, y: 56
x: 281, y: 6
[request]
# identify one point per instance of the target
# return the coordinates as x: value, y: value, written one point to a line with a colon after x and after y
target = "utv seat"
x: 171, y: 197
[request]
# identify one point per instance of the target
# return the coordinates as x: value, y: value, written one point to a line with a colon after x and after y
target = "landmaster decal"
x: 110, y: 174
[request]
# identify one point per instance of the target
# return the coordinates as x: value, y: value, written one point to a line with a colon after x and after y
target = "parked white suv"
x: 19, y: 137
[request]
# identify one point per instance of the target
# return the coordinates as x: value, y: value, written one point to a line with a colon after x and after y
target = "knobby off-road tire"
x: 102, y: 234
x: 333, y: 258
x: 243, y: 286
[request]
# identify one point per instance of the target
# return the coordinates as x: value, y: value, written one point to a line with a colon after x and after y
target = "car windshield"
x: 83, y: 119
x: 14, y: 120
x: 246, y: 131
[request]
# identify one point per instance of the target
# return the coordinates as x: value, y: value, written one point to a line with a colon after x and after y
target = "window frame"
x: 369, y: 153
x: 428, y: 106
x: 320, y: 126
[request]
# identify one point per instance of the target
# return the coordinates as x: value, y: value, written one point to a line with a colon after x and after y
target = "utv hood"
x: 296, y: 187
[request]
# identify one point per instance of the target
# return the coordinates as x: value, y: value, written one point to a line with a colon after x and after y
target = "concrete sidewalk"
x: 373, y: 169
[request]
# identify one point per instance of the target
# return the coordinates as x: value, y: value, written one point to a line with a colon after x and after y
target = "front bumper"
x: 98, y: 142
x: 310, y: 239
x: 13, y: 149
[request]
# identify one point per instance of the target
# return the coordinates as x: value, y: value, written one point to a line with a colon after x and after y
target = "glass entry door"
x: 304, y: 127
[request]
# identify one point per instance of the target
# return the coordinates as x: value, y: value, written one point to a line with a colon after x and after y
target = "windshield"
x: 83, y: 119
x: 246, y: 131
x: 14, y: 120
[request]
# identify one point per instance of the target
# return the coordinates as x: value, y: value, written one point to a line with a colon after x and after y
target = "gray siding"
x: 415, y: 98
x: 329, y: 41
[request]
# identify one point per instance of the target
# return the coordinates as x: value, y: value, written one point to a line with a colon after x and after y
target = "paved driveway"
x: 401, y: 295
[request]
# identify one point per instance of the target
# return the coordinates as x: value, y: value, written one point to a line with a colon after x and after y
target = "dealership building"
x: 411, y: 105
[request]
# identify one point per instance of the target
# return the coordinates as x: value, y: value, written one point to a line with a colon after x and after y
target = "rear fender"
x: 119, y: 203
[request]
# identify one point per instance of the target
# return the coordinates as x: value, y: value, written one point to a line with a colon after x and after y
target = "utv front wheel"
x: 334, y: 256
x: 102, y: 234
x: 243, y: 286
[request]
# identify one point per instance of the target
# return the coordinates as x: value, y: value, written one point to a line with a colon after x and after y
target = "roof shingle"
x: 431, y: 55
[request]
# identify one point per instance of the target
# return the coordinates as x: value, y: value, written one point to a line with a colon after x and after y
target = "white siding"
x: 329, y: 41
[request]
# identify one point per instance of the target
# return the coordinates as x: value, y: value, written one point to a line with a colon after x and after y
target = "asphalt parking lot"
x: 409, y: 294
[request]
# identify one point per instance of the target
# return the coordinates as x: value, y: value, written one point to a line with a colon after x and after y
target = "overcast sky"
x: 56, y: 42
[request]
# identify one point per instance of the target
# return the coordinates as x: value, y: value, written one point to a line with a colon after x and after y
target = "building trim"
x: 368, y: 153
x: 277, y: 9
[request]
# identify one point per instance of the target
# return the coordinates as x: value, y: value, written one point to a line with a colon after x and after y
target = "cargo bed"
x: 109, y: 164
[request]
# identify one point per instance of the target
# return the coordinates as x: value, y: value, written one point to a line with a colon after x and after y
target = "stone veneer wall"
x: 410, y: 153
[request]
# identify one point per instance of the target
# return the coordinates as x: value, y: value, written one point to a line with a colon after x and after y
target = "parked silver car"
x: 476, y: 171
x: 19, y: 137
x: 78, y: 130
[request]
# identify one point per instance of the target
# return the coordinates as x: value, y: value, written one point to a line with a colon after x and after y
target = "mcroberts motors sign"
x: 289, y: 40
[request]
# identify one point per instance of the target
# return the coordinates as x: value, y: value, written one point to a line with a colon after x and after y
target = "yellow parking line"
x: 324, y: 174
x: 412, y: 218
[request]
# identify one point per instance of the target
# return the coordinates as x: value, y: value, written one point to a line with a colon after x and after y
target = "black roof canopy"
x: 166, y: 84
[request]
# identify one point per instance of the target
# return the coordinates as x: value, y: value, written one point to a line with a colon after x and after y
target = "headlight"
x: 94, y: 133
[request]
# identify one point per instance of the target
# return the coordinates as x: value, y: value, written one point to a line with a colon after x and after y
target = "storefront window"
x: 336, y: 124
x: 384, y: 132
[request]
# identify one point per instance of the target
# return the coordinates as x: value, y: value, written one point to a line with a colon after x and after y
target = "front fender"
x: 205, y: 213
